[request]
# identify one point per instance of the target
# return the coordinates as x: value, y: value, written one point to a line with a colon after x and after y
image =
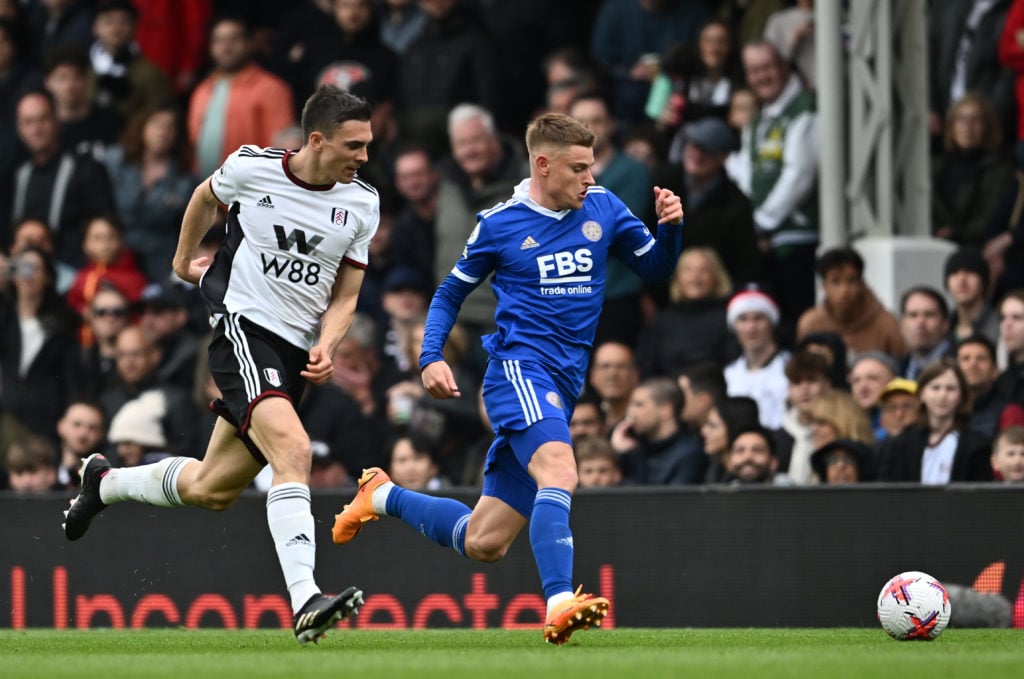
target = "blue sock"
x: 551, y: 540
x: 440, y: 519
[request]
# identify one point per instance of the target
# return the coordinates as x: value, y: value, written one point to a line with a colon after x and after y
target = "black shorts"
x: 249, y: 363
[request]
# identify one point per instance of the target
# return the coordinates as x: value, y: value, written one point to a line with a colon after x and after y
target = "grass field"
x: 491, y: 654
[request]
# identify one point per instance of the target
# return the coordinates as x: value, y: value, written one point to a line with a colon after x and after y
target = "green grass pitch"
x: 492, y: 654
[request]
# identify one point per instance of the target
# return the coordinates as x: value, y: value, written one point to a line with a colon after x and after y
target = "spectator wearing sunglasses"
x: 106, y: 315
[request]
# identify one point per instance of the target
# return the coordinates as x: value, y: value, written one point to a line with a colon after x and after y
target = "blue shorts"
x: 526, y: 410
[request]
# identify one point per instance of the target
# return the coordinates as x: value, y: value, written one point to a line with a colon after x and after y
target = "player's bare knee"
x: 558, y: 476
x: 486, y: 549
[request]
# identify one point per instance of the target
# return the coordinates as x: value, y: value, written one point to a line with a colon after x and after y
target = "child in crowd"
x: 1008, y: 455
x: 597, y: 463
x: 109, y: 260
x: 414, y: 468
x: 32, y: 465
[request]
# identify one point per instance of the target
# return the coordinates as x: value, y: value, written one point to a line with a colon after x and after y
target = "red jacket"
x: 172, y: 34
x: 1011, y: 54
x: 123, y: 274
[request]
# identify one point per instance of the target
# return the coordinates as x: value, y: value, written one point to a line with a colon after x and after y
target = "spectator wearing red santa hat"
x: 760, y: 372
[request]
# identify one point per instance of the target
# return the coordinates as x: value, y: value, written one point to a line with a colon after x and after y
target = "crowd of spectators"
x: 762, y: 360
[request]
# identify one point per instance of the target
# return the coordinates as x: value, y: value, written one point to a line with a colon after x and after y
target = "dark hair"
x: 665, y: 391
x: 229, y: 18
x: 53, y: 313
x: 14, y: 36
x: 737, y: 413
x: 706, y: 377
x: 110, y: 218
x: 806, y: 365
x: 837, y: 257
x: 132, y: 137
x: 594, y: 96
x: 330, y: 106
x: 834, y: 341
x: 88, y: 401
x: 761, y: 431
x: 67, y: 56
x: 978, y: 338
x: 927, y: 291
x: 590, y: 399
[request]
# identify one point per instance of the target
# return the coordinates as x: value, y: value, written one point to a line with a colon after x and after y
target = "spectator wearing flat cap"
x: 844, y: 461
x: 868, y: 377
x: 850, y: 308
x: 966, y: 274
x: 718, y: 214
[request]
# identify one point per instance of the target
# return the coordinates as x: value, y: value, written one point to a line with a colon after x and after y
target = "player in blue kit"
x: 547, y: 248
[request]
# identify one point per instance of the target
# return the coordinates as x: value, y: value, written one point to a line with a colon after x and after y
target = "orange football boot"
x: 360, y: 510
x: 579, y: 612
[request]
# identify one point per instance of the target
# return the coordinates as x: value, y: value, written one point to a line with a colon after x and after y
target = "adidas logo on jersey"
x: 529, y: 243
x: 265, y: 202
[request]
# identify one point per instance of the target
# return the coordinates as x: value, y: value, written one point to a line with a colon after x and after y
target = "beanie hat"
x: 967, y: 259
x: 139, y: 421
x: 748, y: 301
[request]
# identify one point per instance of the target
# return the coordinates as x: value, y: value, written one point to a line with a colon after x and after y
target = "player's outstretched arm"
x: 438, y: 380
x: 668, y: 206
x: 199, y: 216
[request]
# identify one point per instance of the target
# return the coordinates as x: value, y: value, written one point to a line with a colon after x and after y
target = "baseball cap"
x: 899, y: 384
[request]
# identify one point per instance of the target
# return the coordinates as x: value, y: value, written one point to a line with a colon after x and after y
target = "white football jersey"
x: 285, y: 241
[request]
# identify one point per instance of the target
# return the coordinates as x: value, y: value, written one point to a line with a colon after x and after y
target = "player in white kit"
x: 282, y: 292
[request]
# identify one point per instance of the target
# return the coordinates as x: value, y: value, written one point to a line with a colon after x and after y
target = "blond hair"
x: 840, y: 410
x: 723, y: 283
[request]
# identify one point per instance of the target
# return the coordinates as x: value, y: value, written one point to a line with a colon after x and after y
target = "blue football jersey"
x: 549, y: 275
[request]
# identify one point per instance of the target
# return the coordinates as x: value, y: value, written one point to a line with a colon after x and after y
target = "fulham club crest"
x: 339, y: 216
x: 272, y: 376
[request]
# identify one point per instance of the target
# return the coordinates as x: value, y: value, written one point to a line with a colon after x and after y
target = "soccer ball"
x: 913, y: 605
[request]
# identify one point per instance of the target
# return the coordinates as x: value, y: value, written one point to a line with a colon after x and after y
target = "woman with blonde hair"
x: 692, y: 328
x: 833, y: 415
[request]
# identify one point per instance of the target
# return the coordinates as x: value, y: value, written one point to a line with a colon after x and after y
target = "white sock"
x: 152, y: 484
x: 556, y: 599
x: 380, y: 497
x: 292, y: 528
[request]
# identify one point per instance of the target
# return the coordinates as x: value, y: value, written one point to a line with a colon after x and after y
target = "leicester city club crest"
x: 592, y: 231
x: 554, y: 399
